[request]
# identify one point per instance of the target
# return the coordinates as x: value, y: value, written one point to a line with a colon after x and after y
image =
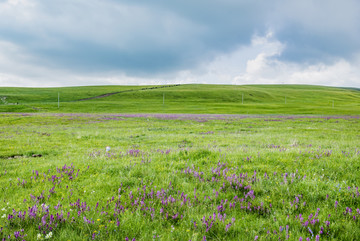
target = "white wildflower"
x: 49, y: 235
x: 39, y: 236
x: 108, y: 148
x: 3, y: 216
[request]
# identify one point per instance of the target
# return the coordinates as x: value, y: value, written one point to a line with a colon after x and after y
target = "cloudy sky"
x: 130, y: 42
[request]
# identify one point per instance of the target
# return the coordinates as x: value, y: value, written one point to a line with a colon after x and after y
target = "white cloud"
x: 341, y: 73
x: 265, y: 68
x: 258, y: 64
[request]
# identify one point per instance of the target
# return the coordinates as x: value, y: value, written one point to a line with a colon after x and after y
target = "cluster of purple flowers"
x: 233, y: 192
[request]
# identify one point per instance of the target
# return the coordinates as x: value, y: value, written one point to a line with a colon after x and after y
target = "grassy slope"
x: 226, y: 99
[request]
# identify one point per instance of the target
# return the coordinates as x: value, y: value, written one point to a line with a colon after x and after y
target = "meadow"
x: 179, y: 177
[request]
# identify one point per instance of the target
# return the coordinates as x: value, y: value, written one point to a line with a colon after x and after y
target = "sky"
x: 141, y: 42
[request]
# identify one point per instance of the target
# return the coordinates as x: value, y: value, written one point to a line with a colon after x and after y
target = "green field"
x: 186, y: 162
x: 172, y: 177
x: 219, y: 99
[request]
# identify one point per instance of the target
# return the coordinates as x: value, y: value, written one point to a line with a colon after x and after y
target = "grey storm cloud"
x: 142, y: 38
x: 318, y: 30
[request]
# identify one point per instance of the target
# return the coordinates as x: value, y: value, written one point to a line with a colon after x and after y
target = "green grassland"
x: 272, y: 171
x: 264, y: 178
x: 223, y: 99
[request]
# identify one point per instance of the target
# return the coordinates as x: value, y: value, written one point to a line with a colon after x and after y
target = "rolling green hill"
x: 222, y: 99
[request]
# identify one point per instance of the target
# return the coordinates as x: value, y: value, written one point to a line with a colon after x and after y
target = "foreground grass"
x: 197, y: 178
x: 223, y: 99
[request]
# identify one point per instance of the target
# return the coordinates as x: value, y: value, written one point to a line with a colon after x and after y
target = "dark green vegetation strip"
x: 218, y: 178
x: 124, y: 91
x: 221, y: 99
